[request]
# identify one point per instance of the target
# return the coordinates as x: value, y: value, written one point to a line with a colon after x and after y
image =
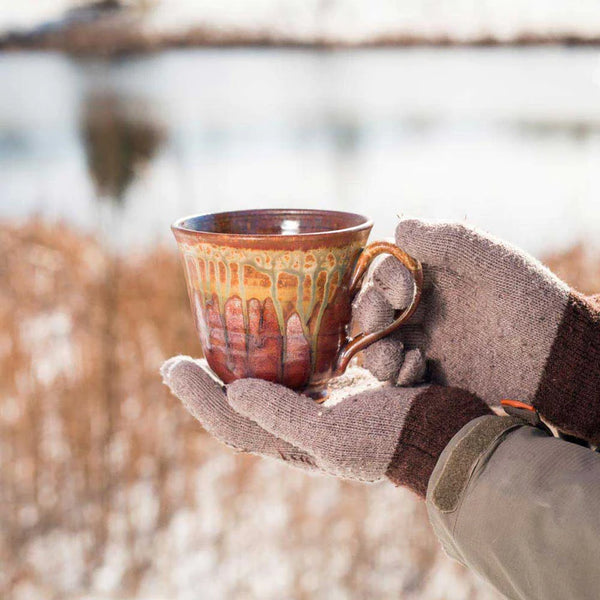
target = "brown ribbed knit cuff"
x: 569, y: 391
x: 435, y: 416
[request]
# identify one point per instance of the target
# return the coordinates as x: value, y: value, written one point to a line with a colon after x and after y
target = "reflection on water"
x: 118, y: 140
x: 506, y: 138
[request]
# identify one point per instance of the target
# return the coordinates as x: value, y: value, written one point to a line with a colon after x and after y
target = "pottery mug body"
x: 271, y: 291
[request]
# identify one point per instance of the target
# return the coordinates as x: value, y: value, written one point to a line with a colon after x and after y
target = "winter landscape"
x: 109, y: 489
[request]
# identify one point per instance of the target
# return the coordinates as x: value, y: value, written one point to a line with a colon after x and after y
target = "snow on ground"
x: 340, y: 20
x: 353, y: 20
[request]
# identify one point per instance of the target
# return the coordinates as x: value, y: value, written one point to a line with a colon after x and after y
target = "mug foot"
x: 318, y: 394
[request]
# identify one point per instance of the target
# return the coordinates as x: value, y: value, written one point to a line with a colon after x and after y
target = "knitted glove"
x: 390, y: 432
x: 492, y: 320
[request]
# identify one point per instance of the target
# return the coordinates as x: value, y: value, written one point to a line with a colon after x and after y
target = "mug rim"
x: 367, y: 223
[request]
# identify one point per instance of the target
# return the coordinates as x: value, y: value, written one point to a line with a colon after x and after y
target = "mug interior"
x: 274, y: 222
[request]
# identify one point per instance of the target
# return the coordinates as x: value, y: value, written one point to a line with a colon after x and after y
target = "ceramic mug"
x: 271, y: 291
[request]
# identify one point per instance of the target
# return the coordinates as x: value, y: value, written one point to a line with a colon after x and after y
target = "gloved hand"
x: 492, y: 320
x: 390, y: 432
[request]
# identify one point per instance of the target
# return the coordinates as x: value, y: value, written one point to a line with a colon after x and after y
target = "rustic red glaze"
x: 271, y: 291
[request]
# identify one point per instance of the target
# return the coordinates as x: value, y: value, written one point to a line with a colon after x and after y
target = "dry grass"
x: 107, y: 486
x: 84, y: 414
x: 579, y: 267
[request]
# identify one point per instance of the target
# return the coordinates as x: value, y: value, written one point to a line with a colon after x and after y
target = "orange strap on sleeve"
x: 517, y: 404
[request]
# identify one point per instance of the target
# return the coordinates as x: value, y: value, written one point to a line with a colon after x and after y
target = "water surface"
x: 506, y: 138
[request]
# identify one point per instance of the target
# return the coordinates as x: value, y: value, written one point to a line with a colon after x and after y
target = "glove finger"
x: 206, y: 400
x: 394, y: 281
x: 471, y: 254
x: 371, y: 311
x: 413, y: 368
x: 384, y: 358
x: 440, y: 244
x: 290, y: 416
x: 412, y: 336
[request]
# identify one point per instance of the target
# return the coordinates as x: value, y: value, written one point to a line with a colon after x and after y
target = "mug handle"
x: 360, y: 341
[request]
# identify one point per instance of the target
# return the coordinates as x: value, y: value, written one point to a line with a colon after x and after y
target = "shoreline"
x: 121, y: 33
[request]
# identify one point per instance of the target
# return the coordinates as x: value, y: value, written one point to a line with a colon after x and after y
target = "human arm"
x: 520, y: 508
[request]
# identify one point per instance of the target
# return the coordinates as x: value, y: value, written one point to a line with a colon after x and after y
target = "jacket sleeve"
x: 521, y: 508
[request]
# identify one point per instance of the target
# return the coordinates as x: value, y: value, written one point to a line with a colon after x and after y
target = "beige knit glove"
x: 492, y: 320
x: 390, y: 432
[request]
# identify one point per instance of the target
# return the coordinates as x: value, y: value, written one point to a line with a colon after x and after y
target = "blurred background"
x: 116, y: 117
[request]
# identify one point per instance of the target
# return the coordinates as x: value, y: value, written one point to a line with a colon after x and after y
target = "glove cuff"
x: 435, y: 416
x: 568, y: 395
